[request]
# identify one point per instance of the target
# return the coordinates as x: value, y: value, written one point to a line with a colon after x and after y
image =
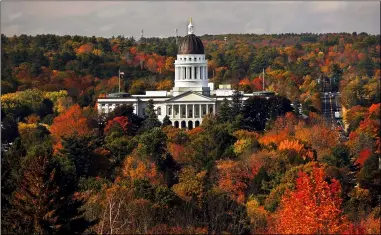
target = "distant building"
x: 191, y: 98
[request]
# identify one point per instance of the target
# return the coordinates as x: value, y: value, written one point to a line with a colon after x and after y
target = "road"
x: 330, y: 105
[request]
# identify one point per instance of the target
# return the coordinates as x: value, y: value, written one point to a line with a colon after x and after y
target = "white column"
x: 173, y: 111
x: 201, y: 73
x: 207, y: 108
x: 183, y: 73
x: 200, y: 113
x: 193, y: 73
x: 206, y: 72
x: 214, y: 108
x: 186, y: 111
x: 193, y: 111
x: 99, y: 108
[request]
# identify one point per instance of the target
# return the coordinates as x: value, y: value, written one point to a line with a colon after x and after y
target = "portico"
x: 188, y: 109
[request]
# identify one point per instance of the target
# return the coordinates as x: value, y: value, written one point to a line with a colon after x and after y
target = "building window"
x: 159, y: 111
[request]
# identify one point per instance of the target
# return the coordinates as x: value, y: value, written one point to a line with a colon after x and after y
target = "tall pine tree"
x: 225, y: 111
x: 237, y: 104
x: 151, y: 120
x: 42, y: 203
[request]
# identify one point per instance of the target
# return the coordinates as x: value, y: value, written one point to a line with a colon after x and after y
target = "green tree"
x: 369, y: 178
x: 78, y: 154
x: 236, y: 104
x: 151, y: 120
x: 225, y: 111
x: 255, y: 113
x: 166, y: 121
x: 340, y: 156
x: 55, y: 64
x: 153, y: 144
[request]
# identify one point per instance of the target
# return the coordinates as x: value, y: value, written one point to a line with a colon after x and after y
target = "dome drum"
x: 190, y: 59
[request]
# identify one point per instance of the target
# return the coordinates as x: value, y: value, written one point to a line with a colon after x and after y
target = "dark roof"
x: 191, y: 44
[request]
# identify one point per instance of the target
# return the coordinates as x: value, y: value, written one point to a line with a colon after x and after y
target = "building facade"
x: 192, y: 96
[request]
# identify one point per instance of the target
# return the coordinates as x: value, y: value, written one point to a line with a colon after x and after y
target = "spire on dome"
x: 190, y: 26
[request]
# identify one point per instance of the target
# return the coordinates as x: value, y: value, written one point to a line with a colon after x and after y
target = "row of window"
x: 190, y: 59
x: 116, y: 105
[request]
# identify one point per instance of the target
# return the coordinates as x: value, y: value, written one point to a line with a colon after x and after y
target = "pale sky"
x: 160, y: 18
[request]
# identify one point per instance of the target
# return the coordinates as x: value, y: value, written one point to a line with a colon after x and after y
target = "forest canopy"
x: 257, y: 166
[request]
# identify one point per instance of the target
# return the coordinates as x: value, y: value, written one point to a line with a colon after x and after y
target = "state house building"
x: 190, y: 99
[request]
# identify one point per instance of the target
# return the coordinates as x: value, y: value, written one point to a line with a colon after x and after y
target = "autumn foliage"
x: 313, y: 207
x: 136, y: 169
x: 296, y: 174
x: 118, y: 123
x: 233, y: 179
x: 71, y: 122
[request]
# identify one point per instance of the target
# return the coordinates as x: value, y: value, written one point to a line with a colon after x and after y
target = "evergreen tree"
x: 225, y: 111
x: 167, y: 121
x: 255, y: 113
x: 55, y: 63
x: 42, y: 204
x: 34, y: 202
x: 151, y: 120
x: 237, y: 103
x: 278, y: 106
x: 79, y: 154
x: 153, y: 144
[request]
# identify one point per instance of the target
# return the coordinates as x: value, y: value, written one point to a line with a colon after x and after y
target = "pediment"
x: 190, y: 97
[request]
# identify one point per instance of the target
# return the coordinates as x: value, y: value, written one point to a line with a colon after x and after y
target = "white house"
x: 191, y: 98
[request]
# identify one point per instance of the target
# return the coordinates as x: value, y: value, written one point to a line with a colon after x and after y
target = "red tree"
x: 116, y: 124
x: 313, y: 207
x: 71, y: 122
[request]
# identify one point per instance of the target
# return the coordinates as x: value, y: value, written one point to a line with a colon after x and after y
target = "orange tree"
x: 313, y: 207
